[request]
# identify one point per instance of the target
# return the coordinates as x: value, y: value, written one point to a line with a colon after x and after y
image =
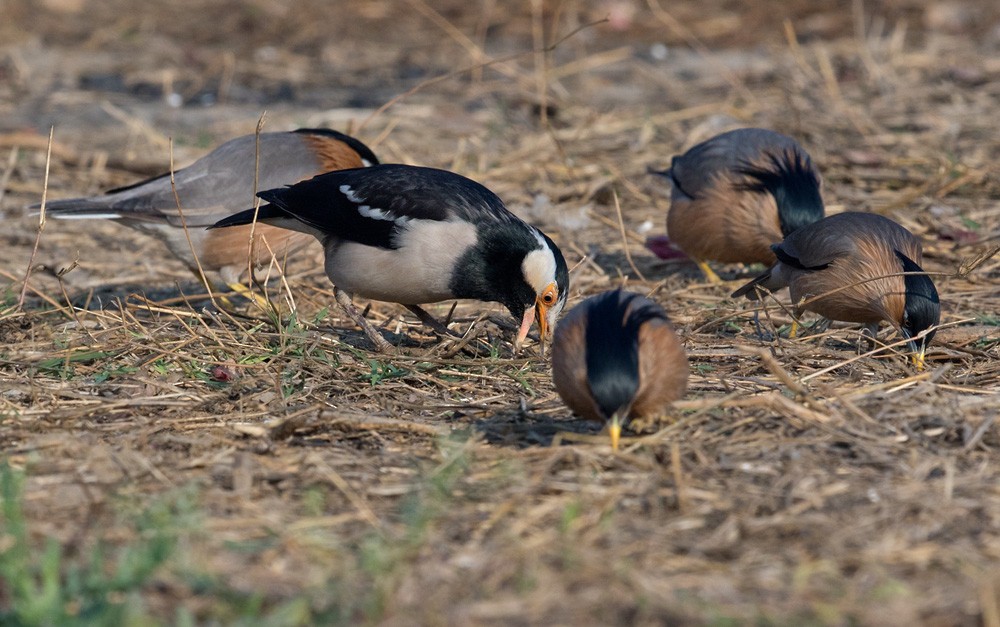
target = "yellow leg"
x: 249, y: 294
x: 794, y: 330
x: 710, y: 274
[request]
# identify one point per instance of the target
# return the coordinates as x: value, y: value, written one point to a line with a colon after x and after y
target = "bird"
x: 857, y: 267
x: 737, y: 193
x: 414, y: 235
x: 616, y: 357
x: 216, y: 186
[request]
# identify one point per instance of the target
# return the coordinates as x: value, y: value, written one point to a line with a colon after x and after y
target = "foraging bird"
x: 840, y: 268
x: 413, y: 235
x: 736, y: 194
x: 216, y: 186
x: 615, y: 357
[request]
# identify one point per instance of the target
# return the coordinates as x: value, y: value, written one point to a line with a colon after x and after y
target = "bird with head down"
x: 615, y: 357
x: 857, y: 267
x: 734, y: 195
x: 414, y: 235
x: 177, y: 209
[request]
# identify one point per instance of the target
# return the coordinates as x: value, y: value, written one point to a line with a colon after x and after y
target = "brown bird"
x: 615, y: 357
x: 849, y: 267
x: 218, y: 185
x: 736, y: 194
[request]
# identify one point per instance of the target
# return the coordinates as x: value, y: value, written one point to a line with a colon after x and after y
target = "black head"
x: 922, y: 309
x: 789, y: 176
x: 612, y: 336
x: 519, y: 267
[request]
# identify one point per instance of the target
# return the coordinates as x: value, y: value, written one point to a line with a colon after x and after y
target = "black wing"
x: 694, y: 171
x: 371, y: 205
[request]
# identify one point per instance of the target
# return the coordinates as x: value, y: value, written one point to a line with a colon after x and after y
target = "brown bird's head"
x: 596, y: 357
x: 790, y: 178
x: 921, y: 312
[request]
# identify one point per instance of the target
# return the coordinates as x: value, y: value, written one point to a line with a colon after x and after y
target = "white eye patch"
x: 539, y: 269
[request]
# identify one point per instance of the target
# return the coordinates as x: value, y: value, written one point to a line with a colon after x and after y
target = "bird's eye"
x: 550, y: 295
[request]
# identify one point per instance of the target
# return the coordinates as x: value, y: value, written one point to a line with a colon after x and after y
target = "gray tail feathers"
x: 751, y: 291
x: 73, y: 207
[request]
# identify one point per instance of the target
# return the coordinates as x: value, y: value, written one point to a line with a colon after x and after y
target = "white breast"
x: 417, y: 272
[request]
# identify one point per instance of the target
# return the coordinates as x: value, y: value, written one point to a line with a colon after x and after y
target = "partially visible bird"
x: 850, y: 267
x: 217, y: 185
x: 736, y: 194
x: 615, y: 357
x: 413, y: 235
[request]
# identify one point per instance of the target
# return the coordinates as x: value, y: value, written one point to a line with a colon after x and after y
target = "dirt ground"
x: 206, y: 468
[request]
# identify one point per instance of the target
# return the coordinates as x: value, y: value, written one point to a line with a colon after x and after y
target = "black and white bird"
x: 414, y: 235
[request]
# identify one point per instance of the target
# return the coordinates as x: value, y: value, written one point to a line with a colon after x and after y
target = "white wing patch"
x: 349, y: 193
x: 366, y: 211
x: 374, y: 213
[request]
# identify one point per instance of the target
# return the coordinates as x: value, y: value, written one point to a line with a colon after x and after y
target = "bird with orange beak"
x: 615, y: 357
x: 413, y: 235
x: 215, y: 186
x: 736, y: 194
x: 856, y: 267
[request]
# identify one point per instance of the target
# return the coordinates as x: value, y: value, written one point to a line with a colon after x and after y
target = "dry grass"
x: 307, y: 479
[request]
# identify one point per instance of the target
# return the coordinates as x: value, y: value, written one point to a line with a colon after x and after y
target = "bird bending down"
x: 615, y: 357
x: 413, y: 235
x: 841, y: 267
x: 736, y: 194
x: 216, y: 186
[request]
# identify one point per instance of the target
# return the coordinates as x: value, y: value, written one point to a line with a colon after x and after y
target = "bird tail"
x: 263, y: 214
x: 754, y: 288
x: 790, y: 178
x: 78, y: 209
x: 664, y: 173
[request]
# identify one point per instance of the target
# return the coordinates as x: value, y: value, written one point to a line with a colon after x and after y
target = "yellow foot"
x: 710, y: 274
x: 249, y: 294
x: 794, y: 330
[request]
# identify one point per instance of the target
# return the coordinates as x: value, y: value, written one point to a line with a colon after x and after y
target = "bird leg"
x: 710, y: 274
x: 823, y: 324
x: 247, y: 293
x: 344, y: 300
x: 794, y: 330
x: 762, y: 335
x: 869, y: 332
x: 430, y: 321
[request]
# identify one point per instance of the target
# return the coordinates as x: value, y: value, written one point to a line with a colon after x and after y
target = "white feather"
x: 349, y: 193
x: 83, y: 216
x: 539, y: 266
x: 374, y: 213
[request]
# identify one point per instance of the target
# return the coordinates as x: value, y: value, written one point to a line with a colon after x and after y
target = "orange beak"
x: 522, y: 332
x: 615, y: 431
x: 536, y: 313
